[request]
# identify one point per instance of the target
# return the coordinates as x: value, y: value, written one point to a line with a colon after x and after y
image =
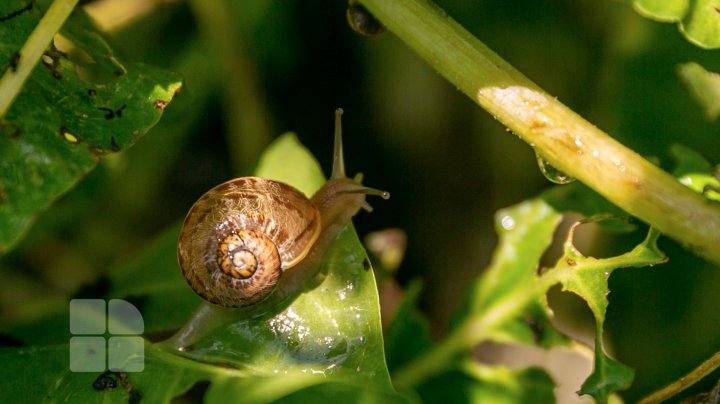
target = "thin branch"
x: 471, y: 332
x: 36, y: 44
x: 684, y: 382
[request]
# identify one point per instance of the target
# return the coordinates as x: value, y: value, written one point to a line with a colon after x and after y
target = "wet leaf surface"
x: 333, y: 328
x: 327, y: 342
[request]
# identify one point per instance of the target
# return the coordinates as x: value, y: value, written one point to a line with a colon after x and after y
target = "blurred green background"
x: 255, y: 69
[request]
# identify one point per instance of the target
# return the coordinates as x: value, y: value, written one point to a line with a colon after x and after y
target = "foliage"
x: 46, y: 151
x: 115, y: 235
x: 699, y: 21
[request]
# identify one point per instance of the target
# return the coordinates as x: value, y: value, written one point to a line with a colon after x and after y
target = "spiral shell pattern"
x: 240, y: 236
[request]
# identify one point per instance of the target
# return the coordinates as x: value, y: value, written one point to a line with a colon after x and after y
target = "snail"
x: 251, y: 238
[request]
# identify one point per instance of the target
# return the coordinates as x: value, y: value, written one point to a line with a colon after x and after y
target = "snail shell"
x: 241, y: 236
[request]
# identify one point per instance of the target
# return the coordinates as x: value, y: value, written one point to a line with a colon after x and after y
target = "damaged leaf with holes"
x: 79, y: 104
x: 588, y: 277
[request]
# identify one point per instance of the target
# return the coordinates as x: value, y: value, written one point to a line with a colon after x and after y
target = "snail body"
x: 251, y: 238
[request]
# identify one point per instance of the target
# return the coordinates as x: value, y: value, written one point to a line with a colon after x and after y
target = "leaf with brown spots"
x: 67, y: 117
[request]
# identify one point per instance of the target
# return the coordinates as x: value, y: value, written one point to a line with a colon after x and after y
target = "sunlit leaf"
x: 663, y: 10
x: 332, y: 330
x: 695, y: 172
x: 704, y: 86
x: 164, y: 378
x: 327, y: 342
x: 588, y: 278
x: 525, y: 232
x: 62, y: 123
x: 699, y: 20
x: 286, y: 160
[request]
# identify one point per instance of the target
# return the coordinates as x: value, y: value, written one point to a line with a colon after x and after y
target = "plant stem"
x: 474, y: 330
x: 36, y: 44
x: 684, y: 382
x: 479, y: 326
x: 563, y: 138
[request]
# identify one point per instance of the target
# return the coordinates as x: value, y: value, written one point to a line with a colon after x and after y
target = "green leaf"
x: 507, y: 303
x: 588, y: 278
x: 705, y: 184
x: 475, y: 383
x: 525, y: 232
x: 162, y: 294
x: 662, y: 10
x: 298, y: 388
x: 409, y: 334
x: 327, y: 342
x: 165, y: 376
x: 47, y: 368
x: 698, y: 20
x: 694, y: 172
x: 153, y: 283
x: 330, y: 331
x: 608, y: 376
x: 704, y: 86
x: 333, y: 329
x: 62, y: 123
x: 286, y: 160
x: 688, y: 161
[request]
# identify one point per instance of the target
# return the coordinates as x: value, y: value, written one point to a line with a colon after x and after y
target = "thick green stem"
x: 36, y: 44
x: 563, y: 138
